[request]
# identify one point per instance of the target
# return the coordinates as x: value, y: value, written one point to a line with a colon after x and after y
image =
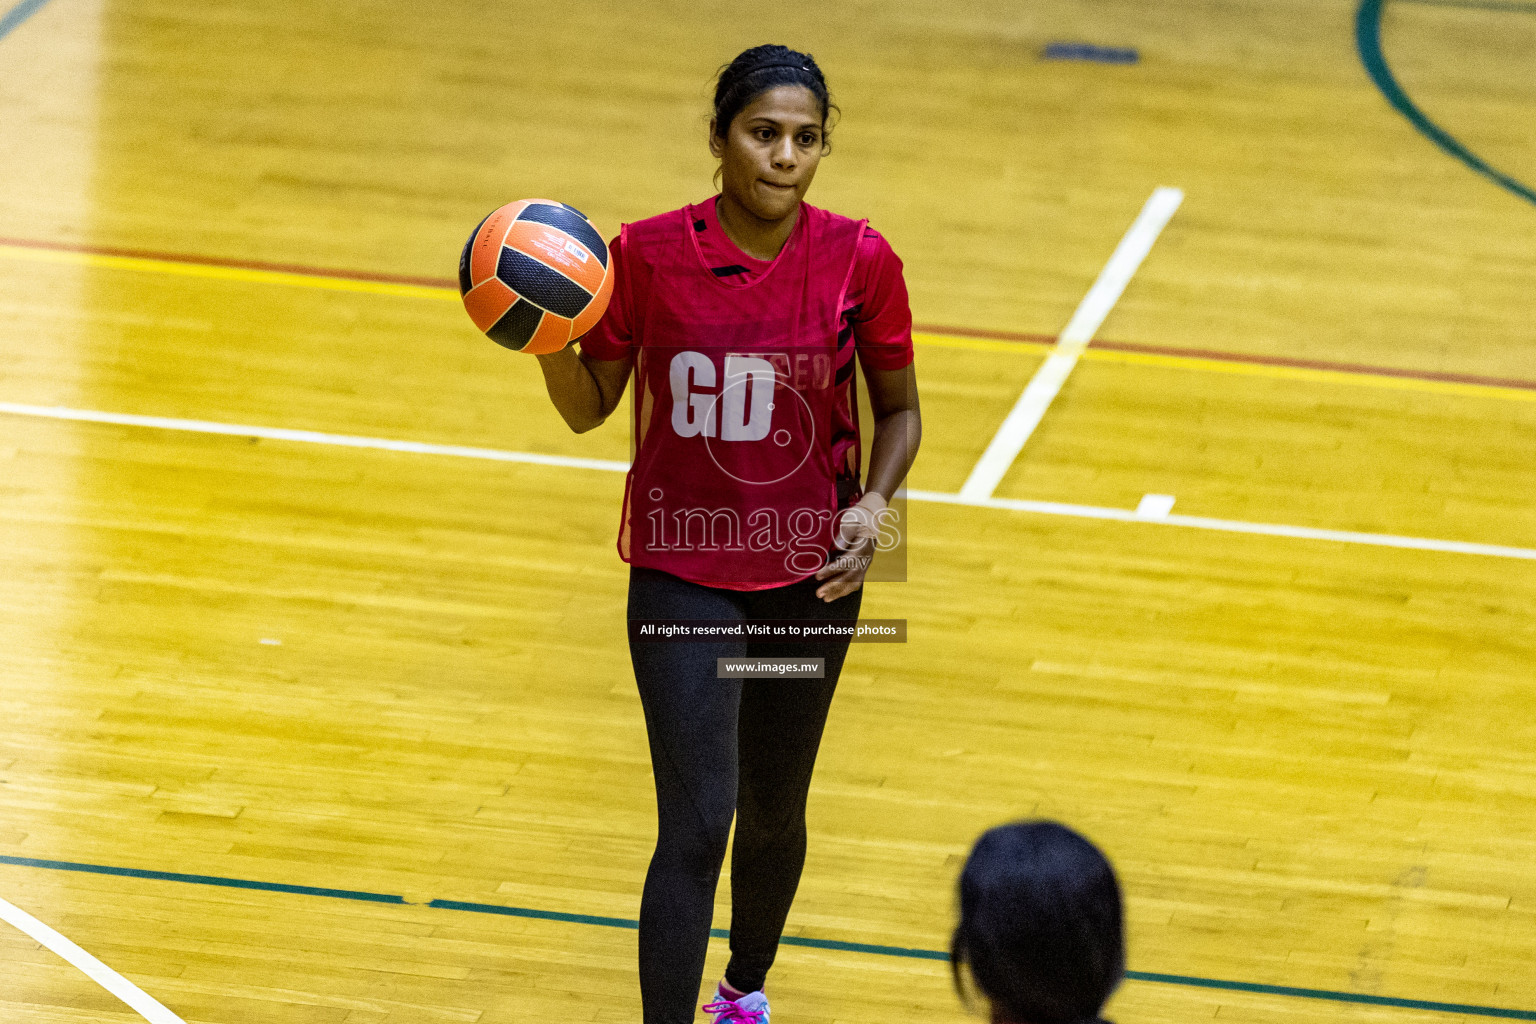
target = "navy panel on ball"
x: 572, y: 223
x: 516, y: 325
x: 541, y: 285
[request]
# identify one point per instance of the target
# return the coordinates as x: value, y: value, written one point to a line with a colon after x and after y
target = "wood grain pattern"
x: 1312, y: 762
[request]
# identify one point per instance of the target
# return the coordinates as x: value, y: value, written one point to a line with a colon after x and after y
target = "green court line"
x: 13, y: 18
x: 1189, y: 981
x: 1368, y: 42
x: 176, y: 876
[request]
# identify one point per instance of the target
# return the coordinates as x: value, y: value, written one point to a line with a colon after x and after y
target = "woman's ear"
x: 716, y: 143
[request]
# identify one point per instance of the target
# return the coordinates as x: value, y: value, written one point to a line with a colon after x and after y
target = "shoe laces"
x: 733, y: 1013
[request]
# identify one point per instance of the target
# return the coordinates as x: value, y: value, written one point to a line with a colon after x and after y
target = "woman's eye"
x: 807, y: 139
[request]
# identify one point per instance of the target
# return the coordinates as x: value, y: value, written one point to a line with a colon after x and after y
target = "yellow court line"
x: 251, y: 275
x: 247, y: 275
x: 1013, y: 348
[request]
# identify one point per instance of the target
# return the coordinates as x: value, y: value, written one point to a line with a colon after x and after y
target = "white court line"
x: 1125, y: 515
x: 1053, y: 373
x: 1049, y: 508
x: 309, y: 437
x: 145, y: 1005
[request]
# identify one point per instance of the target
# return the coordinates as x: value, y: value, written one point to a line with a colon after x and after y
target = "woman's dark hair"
x: 761, y: 68
x: 1041, y: 929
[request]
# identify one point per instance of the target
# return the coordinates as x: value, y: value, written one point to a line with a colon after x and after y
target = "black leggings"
x: 723, y: 747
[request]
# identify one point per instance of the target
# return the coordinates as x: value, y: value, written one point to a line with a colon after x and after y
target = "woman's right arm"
x: 584, y: 390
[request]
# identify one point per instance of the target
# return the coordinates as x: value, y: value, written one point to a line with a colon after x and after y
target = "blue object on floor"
x: 1089, y: 52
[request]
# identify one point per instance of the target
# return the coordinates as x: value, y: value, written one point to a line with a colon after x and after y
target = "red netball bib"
x: 733, y: 482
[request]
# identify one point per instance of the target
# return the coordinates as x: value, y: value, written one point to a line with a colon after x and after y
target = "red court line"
x: 218, y: 261
x: 1320, y: 364
x: 961, y: 332
x: 1240, y: 357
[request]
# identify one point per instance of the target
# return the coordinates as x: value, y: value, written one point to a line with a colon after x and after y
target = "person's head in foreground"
x: 1041, y: 932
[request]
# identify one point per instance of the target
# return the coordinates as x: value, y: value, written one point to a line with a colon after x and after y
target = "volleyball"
x: 535, y: 276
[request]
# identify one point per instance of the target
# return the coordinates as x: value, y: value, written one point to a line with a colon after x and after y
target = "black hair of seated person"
x: 1041, y: 931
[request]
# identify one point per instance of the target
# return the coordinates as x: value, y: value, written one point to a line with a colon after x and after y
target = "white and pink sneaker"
x: 751, y: 1008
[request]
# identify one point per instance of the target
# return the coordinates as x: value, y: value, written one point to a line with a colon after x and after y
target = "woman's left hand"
x: 845, y: 572
x: 855, y: 537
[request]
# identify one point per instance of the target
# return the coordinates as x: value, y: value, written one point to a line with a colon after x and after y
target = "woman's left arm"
x: 898, y: 428
x: 898, y: 432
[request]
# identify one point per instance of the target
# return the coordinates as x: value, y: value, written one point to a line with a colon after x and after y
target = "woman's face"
x: 769, y: 152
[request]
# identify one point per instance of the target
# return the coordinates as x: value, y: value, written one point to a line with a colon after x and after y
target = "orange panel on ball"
x: 558, y: 251
x: 554, y: 334
x: 487, y: 251
x: 599, y: 305
x: 486, y: 302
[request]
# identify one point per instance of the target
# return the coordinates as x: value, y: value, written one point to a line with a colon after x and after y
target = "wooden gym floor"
x: 360, y: 681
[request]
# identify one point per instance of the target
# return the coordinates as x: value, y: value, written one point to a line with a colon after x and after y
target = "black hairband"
x: 779, y: 64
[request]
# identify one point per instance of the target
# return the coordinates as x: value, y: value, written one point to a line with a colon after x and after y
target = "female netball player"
x: 740, y: 319
x: 1041, y: 929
